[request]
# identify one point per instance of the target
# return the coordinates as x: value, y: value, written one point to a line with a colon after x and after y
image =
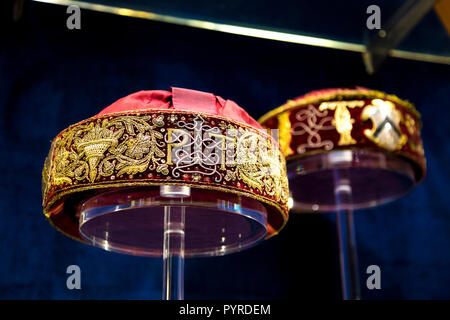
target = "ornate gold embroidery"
x: 175, y: 138
x: 94, y: 144
x: 66, y: 164
x: 248, y: 162
x: 81, y: 152
x: 342, y: 118
x: 339, y: 94
x: 259, y: 164
x: 284, y: 127
x: 139, y: 151
x: 46, y: 172
x: 416, y: 147
x: 275, y: 181
x: 410, y: 124
x: 385, y: 119
x: 390, y: 136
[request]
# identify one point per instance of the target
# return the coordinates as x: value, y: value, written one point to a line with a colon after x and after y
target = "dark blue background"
x: 51, y: 77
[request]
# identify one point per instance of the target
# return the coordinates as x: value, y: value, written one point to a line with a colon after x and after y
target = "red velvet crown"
x: 182, y: 100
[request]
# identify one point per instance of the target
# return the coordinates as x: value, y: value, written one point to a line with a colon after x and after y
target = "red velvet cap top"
x: 181, y: 99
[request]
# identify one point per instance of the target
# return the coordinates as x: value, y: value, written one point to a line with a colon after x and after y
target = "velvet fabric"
x: 181, y: 99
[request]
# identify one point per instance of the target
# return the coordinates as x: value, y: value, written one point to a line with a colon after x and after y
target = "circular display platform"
x: 371, y: 177
x: 131, y: 221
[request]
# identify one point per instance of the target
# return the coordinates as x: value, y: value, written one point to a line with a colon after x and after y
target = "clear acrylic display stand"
x: 343, y: 181
x: 172, y: 222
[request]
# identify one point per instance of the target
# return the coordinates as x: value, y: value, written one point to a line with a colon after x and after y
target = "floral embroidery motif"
x: 93, y: 150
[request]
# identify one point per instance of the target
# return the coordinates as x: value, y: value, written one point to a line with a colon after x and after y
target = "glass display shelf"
x: 329, y: 24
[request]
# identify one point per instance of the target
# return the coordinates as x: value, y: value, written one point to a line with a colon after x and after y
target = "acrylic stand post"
x: 347, y: 240
x: 343, y: 181
x: 172, y: 222
x: 173, y: 243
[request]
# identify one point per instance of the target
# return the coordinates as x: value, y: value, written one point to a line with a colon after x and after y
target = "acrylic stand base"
x: 172, y: 222
x: 343, y: 181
